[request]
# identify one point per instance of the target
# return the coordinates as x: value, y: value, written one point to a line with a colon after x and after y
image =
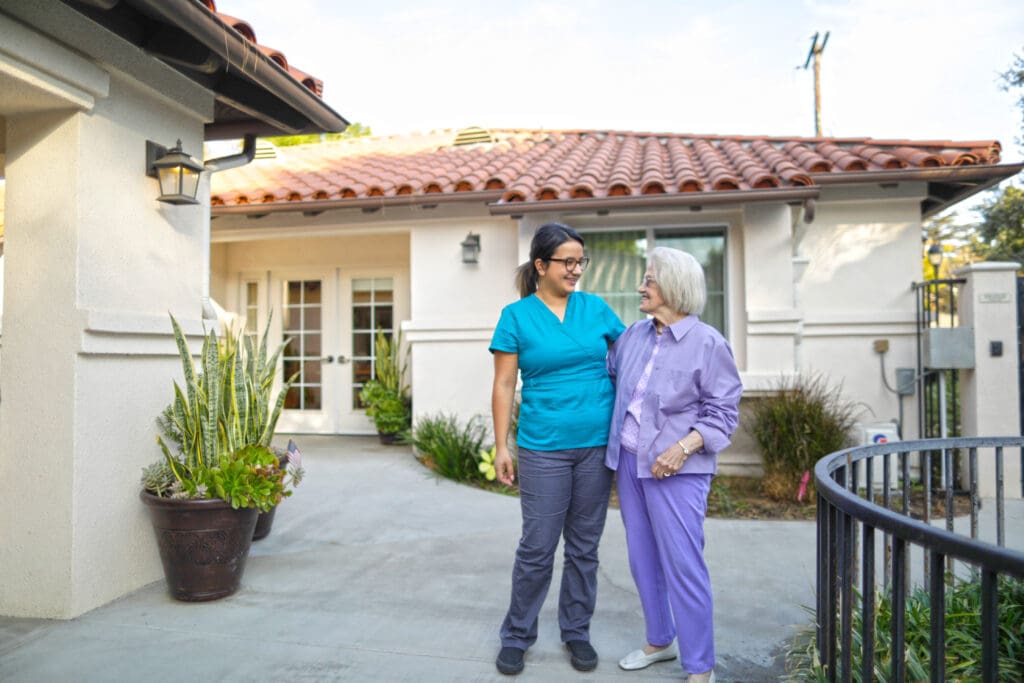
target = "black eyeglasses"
x: 571, y: 263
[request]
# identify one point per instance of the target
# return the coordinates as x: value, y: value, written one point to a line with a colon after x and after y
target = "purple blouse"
x: 693, y: 384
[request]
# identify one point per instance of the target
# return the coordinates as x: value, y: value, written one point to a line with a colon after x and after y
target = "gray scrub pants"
x: 561, y: 493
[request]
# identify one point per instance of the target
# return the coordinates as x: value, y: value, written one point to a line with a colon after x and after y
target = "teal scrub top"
x: 567, y: 396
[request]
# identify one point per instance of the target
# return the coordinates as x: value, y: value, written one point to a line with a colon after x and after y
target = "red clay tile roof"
x: 534, y: 166
x: 245, y: 29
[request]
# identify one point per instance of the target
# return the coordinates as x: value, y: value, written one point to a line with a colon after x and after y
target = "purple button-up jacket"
x: 694, y: 385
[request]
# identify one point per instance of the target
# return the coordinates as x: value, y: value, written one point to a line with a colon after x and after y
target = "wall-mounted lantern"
x: 471, y: 249
x: 935, y: 256
x: 177, y: 172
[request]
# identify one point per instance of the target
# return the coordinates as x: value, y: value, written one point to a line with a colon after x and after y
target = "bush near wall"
x: 449, y: 448
x: 799, y: 423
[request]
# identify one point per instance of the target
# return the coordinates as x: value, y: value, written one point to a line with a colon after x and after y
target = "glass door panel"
x: 372, y: 309
x: 302, y: 335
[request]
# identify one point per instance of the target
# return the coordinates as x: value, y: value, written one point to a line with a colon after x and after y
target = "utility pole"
x: 815, y: 54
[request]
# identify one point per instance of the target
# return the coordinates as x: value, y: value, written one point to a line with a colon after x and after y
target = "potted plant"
x: 386, y: 397
x: 216, y: 474
x: 251, y: 414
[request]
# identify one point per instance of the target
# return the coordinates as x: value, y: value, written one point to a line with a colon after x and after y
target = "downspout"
x: 244, y: 157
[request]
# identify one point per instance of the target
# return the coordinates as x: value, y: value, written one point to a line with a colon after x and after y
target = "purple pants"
x: 664, y: 521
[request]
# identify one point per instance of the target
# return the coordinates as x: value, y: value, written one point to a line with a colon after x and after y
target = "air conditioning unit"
x: 874, y: 433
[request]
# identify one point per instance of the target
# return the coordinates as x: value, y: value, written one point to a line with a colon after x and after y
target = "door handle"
x: 343, y: 359
x: 327, y: 359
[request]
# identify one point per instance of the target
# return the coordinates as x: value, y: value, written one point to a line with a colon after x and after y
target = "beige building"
x: 93, y: 263
x: 810, y: 246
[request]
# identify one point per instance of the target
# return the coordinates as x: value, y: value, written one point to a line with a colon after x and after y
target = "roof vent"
x: 265, y: 150
x: 474, y: 135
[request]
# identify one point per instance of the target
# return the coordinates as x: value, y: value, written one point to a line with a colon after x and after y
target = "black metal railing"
x: 851, y: 494
x: 938, y: 404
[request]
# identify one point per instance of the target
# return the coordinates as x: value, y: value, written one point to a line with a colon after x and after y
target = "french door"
x: 328, y: 320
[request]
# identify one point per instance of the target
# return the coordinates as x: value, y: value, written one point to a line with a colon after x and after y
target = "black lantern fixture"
x: 935, y: 256
x: 177, y: 172
x: 471, y: 249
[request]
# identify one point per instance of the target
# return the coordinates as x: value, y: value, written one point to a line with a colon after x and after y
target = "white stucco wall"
x: 93, y: 265
x: 861, y: 259
x: 455, y: 308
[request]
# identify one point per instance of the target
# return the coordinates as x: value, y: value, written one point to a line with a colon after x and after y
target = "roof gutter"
x: 195, y: 19
x: 244, y: 157
x: 960, y: 182
x: 938, y: 174
x: 650, y: 201
x: 367, y: 204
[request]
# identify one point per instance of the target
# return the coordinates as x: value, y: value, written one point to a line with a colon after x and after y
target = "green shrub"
x: 963, y: 636
x: 796, y: 426
x: 451, y: 449
x: 387, y: 397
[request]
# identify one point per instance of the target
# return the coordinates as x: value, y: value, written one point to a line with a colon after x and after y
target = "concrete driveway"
x: 376, y: 570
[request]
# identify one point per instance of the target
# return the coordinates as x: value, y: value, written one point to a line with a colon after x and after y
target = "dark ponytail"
x: 545, y: 242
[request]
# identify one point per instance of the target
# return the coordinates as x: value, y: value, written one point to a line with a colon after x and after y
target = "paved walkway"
x: 376, y: 570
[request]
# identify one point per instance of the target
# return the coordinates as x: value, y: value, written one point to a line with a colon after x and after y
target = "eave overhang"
x: 946, y: 185
x: 254, y: 94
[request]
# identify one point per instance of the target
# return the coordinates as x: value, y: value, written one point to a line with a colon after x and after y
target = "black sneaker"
x: 510, y: 660
x: 584, y: 657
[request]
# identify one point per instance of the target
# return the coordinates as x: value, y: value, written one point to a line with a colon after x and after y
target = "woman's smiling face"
x: 554, y: 276
x: 650, y: 295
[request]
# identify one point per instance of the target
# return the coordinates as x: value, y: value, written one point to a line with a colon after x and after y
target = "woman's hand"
x: 503, y: 466
x: 671, y: 460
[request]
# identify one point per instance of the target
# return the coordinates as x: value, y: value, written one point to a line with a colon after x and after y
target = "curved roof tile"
x: 538, y: 165
x: 878, y: 157
x: 841, y: 158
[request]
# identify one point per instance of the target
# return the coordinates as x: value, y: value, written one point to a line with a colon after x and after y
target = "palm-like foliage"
x: 224, y: 408
x: 247, y: 415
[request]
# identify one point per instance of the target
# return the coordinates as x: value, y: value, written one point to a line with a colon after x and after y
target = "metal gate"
x: 938, y: 390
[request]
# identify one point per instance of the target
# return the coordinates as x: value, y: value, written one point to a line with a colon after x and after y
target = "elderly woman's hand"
x: 671, y: 460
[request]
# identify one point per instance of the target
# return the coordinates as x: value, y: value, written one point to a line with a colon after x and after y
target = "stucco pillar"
x: 93, y: 265
x: 989, y: 393
x: 773, y: 323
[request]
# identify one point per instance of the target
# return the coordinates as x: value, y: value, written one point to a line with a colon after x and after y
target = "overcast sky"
x: 918, y: 69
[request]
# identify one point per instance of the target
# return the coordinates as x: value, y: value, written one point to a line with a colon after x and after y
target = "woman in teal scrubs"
x: 557, y: 338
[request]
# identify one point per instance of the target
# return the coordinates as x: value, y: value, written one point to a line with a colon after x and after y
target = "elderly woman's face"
x: 650, y: 295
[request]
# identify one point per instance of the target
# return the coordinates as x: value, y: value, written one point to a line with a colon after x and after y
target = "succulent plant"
x: 158, y: 478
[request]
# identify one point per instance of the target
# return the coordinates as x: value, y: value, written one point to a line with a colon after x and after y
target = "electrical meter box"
x: 948, y: 348
x: 874, y: 433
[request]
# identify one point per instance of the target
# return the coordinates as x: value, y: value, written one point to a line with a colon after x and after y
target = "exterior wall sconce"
x: 471, y: 249
x: 177, y: 172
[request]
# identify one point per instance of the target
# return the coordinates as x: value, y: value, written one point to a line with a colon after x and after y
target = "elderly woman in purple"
x: 676, y: 406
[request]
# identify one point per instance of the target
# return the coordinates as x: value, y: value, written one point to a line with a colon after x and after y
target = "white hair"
x: 680, y: 279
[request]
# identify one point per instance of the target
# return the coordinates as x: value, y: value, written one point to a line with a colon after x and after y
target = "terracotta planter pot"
x: 265, y: 520
x: 203, y: 545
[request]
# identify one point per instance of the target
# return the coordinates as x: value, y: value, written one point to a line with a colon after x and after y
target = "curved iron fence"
x: 851, y: 493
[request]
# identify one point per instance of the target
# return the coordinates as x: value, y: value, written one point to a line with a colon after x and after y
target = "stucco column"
x: 773, y: 323
x: 93, y: 265
x: 989, y: 393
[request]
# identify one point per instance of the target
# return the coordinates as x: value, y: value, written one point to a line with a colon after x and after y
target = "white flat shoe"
x: 706, y: 677
x: 638, y: 659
